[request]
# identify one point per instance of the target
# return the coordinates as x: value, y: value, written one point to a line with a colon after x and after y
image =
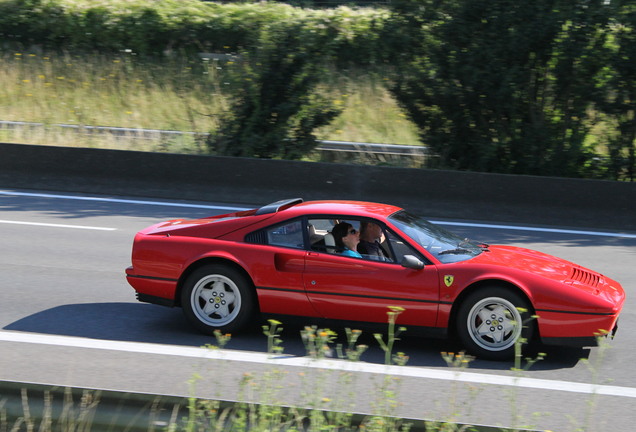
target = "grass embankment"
x: 174, y: 94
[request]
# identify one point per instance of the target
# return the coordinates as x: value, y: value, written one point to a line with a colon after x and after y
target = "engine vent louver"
x: 258, y: 237
x: 585, y: 277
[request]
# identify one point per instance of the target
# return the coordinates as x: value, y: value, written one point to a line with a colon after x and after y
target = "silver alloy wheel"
x: 216, y: 300
x: 494, y: 324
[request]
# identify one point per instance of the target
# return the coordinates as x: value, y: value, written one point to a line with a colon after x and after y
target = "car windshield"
x: 443, y: 245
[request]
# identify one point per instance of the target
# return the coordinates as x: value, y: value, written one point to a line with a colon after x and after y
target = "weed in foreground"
x: 76, y: 416
x: 273, y: 331
x: 352, y: 352
x: 392, y: 337
x: 594, y: 367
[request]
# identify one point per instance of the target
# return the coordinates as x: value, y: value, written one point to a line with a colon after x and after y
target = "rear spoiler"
x: 276, y: 206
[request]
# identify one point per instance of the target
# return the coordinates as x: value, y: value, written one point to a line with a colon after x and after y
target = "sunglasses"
x: 353, y: 231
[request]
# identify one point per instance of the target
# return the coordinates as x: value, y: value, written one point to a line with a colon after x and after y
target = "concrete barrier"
x: 434, y: 193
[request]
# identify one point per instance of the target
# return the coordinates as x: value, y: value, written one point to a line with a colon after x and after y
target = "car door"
x: 359, y: 289
x: 277, y: 269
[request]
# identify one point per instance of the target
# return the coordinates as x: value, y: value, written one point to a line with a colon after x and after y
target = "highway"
x: 69, y: 318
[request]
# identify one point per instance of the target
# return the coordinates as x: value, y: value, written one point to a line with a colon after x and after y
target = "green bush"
x: 190, y: 26
x: 276, y: 104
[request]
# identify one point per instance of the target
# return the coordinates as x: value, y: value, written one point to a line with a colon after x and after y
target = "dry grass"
x: 126, y: 91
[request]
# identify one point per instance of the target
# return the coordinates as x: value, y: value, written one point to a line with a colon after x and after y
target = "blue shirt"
x: 351, y: 253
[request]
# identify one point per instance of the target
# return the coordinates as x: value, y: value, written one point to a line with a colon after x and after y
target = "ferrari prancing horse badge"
x: 448, y: 280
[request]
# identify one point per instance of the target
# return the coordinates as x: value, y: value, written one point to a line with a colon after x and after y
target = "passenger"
x: 347, y: 239
x: 370, y: 238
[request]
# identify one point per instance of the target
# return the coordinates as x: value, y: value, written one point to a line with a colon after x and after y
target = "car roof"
x: 352, y: 208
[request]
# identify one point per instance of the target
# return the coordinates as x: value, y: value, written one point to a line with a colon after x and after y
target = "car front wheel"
x: 217, y: 297
x: 490, y: 321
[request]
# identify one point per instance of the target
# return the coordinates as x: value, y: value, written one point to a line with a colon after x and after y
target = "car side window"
x: 399, y: 247
x: 287, y: 235
x: 320, y: 237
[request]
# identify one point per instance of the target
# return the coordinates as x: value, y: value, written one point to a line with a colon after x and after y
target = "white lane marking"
x: 233, y: 208
x: 284, y: 360
x: 121, y: 201
x: 58, y: 225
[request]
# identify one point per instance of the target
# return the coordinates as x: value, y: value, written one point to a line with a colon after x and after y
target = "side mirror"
x: 412, y: 262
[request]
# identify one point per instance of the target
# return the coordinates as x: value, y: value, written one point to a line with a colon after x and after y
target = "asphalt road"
x: 69, y: 318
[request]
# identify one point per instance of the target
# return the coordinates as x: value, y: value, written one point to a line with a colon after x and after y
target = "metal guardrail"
x: 345, y: 147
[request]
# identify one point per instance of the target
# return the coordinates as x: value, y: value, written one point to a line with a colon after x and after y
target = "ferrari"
x: 349, y: 261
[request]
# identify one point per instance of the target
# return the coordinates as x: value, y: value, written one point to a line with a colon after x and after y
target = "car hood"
x: 528, y: 260
x: 542, y: 265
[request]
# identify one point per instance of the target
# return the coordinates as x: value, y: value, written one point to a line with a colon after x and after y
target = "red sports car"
x: 348, y: 260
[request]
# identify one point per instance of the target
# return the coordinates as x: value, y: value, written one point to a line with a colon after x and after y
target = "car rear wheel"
x: 217, y: 297
x: 491, y: 320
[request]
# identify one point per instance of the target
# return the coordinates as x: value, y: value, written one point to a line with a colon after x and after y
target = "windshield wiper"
x: 457, y: 251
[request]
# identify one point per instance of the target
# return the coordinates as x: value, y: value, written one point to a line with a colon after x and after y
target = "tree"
x: 276, y: 105
x: 618, y: 102
x: 502, y: 85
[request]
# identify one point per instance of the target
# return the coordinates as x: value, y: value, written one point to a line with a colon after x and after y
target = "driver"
x: 371, y: 237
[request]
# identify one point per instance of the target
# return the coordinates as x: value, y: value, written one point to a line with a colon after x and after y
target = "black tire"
x: 218, y: 297
x: 491, y: 320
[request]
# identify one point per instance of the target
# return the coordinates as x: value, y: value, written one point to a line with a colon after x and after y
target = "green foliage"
x: 284, y: 55
x: 150, y: 27
x: 389, y: 358
x: 273, y: 331
x: 618, y: 98
x: 503, y: 86
x: 544, y: 87
x: 352, y: 352
x: 318, y: 341
x: 276, y: 104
